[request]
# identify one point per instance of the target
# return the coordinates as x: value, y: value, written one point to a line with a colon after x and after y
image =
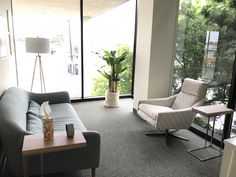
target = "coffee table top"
x: 212, y: 110
x: 35, y: 144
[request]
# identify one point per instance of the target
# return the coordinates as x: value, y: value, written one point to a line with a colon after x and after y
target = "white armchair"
x: 174, y: 112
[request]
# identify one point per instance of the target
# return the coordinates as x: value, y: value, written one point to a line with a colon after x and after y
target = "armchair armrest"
x: 199, y: 103
x: 176, y: 119
x: 168, y: 101
x: 53, y: 97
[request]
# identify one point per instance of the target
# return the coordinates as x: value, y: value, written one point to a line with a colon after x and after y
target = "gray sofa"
x: 17, y: 119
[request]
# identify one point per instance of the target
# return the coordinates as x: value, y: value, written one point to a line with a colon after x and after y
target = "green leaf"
x: 122, y: 57
x: 123, y: 69
x: 107, y: 54
x: 104, y: 74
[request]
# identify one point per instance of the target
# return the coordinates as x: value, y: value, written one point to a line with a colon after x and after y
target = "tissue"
x: 45, y: 109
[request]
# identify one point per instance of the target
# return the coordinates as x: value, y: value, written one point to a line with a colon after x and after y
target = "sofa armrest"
x: 53, y: 97
x: 168, y: 101
x: 92, y: 151
x: 12, y: 144
x: 176, y: 119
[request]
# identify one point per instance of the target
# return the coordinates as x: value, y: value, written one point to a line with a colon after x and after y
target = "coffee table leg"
x: 222, y: 139
x: 213, y: 129
x: 207, y: 130
x: 41, y: 164
x: 24, y: 167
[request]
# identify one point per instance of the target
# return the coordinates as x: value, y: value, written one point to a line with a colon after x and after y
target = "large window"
x: 111, y: 30
x: 76, y: 43
x: 205, y: 47
x: 60, y: 23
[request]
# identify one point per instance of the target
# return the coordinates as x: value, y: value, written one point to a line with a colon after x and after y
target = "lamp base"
x: 42, y: 82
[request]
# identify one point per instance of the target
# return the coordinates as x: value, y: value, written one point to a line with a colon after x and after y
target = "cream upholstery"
x: 184, y: 100
x: 174, y: 112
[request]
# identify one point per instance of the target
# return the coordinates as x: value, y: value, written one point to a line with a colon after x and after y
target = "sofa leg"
x: 93, y: 172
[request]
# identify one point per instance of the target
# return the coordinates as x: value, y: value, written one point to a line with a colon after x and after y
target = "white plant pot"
x: 111, y: 99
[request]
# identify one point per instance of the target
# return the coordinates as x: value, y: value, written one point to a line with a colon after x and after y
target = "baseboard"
x: 134, y: 110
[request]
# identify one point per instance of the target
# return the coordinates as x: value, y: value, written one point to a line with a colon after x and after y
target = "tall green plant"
x: 100, y: 83
x: 115, y: 66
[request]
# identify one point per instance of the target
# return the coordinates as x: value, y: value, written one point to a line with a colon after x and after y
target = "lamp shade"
x: 37, y: 45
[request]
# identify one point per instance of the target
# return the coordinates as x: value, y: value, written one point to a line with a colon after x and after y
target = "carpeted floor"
x: 127, y: 152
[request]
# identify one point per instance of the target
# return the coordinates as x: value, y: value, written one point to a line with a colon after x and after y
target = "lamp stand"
x: 42, y: 82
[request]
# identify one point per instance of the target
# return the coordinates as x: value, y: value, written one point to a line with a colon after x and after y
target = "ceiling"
x: 91, y: 8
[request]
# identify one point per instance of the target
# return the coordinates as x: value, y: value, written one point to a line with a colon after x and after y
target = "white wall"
x: 157, y: 20
x: 6, y: 65
x: 143, y: 49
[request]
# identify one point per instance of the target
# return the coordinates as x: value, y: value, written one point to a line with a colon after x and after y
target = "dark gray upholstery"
x: 14, y: 105
x: 34, y: 108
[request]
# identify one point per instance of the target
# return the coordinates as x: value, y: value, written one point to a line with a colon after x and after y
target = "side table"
x: 210, y: 111
x: 35, y: 145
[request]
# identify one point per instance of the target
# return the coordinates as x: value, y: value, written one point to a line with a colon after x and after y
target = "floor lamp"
x: 38, y: 45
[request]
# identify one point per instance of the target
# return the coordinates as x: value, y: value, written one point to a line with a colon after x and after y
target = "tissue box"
x: 48, y: 128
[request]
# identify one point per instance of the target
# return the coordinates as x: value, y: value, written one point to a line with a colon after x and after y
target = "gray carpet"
x: 127, y: 152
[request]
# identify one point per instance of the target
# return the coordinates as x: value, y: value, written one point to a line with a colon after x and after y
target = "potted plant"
x: 114, y: 65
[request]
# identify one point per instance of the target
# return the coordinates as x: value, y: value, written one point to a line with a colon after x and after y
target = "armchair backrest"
x: 192, y: 91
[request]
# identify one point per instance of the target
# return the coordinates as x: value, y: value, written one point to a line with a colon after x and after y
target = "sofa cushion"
x: 34, y: 108
x: 64, y: 113
x: 34, y: 124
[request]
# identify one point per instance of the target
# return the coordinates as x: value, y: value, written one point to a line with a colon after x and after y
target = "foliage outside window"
x: 205, y: 47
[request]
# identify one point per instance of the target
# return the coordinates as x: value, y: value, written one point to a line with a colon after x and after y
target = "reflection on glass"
x: 205, y: 49
x: 61, y: 24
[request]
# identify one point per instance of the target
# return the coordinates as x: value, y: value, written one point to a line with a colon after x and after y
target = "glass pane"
x: 112, y: 28
x: 233, y: 126
x: 59, y: 22
x: 205, y: 49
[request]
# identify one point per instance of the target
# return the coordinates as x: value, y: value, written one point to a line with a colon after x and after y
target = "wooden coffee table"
x: 35, y: 145
x: 210, y: 111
